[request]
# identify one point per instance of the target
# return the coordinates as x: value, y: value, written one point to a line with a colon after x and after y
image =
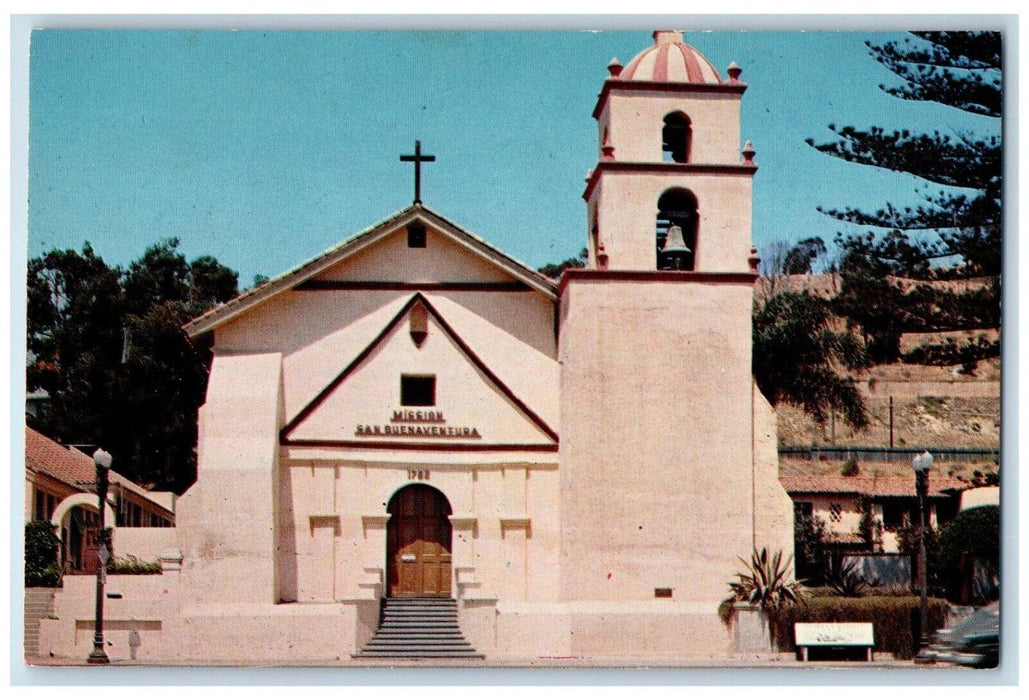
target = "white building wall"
x: 634, y: 120
x: 144, y: 543
x: 333, y: 534
x: 656, y: 452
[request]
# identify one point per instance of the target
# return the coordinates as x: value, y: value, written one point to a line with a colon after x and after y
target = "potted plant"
x: 758, y: 594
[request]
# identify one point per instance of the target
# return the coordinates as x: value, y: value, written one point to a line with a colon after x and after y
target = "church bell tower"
x: 668, y: 126
x: 668, y: 463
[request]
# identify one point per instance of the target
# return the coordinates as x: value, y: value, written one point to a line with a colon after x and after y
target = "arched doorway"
x: 418, y: 560
x: 82, y: 543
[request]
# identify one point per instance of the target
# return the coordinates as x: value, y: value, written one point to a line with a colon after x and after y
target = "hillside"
x: 933, y: 406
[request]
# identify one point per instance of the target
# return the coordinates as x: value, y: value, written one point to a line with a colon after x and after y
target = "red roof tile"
x: 869, y: 486
x: 44, y: 456
x: 66, y: 464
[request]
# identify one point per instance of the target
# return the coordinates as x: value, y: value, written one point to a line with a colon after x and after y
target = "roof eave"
x: 247, y: 300
x: 728, y: 87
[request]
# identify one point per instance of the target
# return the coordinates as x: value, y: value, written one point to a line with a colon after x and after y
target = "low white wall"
x: 144, y: 543
x: 584, y: 629
x: 982, y: 496
x: 214, y: 633
x: 141, y: 603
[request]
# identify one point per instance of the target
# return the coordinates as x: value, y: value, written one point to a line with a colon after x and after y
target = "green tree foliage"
x: 799, y: 358
x: 974, y: 533
x: 801, y: 258
x: 74, y: 341
x: 811, y: 551
x: 907, y: 543
x: 956, y: 230
x: 869, y: 529
x: 844, y: 578
x: 108, y: 347
x: 554, y: 270
x: 41, y: 543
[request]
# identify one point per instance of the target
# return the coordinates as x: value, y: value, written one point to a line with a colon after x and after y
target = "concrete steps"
x: 39, y: 603
x: 418, y: 628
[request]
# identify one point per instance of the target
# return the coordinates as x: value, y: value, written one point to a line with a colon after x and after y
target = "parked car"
x: 973, y: 641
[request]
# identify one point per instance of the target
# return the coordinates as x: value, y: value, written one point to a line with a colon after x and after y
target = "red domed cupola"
x: 670, y: 60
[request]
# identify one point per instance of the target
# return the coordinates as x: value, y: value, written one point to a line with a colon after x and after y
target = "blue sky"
x: 264, y: 148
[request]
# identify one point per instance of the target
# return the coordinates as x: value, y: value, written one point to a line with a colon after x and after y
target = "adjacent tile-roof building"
x: 76, y: 469
x: 875, y: 486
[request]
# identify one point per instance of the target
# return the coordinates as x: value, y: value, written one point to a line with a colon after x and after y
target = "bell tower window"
x: 676, y: 230
x: 675, y: 138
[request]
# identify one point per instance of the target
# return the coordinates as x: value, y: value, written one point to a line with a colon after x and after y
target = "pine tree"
x: 956, y: 231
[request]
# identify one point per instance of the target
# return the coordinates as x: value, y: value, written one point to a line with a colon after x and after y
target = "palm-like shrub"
x: 845, y: 579
x: 766, y: 584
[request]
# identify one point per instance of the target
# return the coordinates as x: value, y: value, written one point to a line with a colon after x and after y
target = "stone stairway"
x: 38, y: 604
x: 418, y: 628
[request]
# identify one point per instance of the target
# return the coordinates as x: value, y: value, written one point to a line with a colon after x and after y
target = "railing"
x: 888, y: 454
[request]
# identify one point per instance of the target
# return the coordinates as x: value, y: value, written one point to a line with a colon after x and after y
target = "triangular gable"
x: 524, y: 429
x: 306, y: 273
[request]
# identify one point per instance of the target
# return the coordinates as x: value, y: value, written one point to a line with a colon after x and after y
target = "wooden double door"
x: 418, y: 559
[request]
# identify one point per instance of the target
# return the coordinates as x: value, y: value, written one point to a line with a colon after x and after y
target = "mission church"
x: 415, y: 445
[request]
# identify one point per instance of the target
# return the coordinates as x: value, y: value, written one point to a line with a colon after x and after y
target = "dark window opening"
x: 675, y: 138
x: 676, y: 208
x: 417, y: 390
x: 803, y: 509
x: 946, y: 510
x: 896, y: 514
x: 415, y: 236
x: 45, y: 504
x: 40, y: 505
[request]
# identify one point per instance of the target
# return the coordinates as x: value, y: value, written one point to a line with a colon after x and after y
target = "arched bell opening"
x: 676, y: 138
x: 418, y: 543
x: 676, y: 234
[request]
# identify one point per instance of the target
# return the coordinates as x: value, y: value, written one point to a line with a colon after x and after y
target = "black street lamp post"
x: 921, y: 464
x: 102, y: 461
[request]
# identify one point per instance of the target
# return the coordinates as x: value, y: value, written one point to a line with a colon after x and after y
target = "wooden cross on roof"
x: 418, y: 159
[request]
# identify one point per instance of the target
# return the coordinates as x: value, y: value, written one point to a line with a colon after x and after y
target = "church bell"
x: 674, y: 249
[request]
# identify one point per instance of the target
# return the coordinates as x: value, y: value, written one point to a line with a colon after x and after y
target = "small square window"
x: 415, y: 236
x: 417, y: 390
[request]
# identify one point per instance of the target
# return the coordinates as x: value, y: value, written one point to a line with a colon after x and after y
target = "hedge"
x: 895, y: 619
x: 41, y: 543
x: 133, y: 566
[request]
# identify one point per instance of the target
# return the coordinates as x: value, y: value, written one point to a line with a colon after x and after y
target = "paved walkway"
x: 711, y: 662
